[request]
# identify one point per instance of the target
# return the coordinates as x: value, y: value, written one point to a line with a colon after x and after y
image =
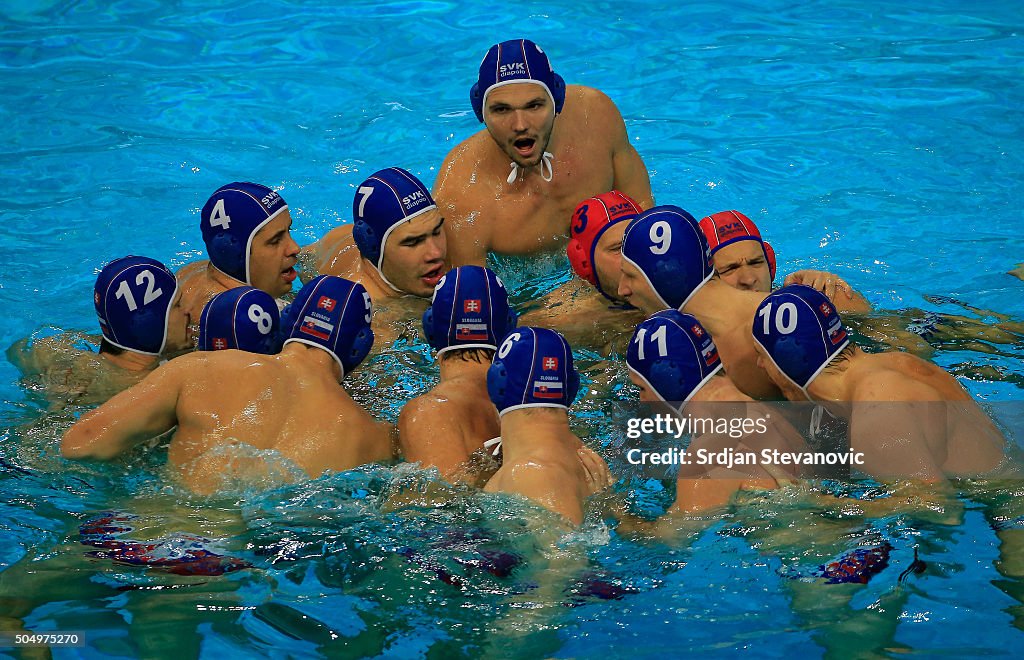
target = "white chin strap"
x: 493, y: 442
x: 546, y: 171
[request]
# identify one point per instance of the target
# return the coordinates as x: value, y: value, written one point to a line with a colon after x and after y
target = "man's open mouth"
x: 524, y: 145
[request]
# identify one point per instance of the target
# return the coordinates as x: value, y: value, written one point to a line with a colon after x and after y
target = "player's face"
x: 608, y: 259
x: 633, y: 287
x: 519, y: 118
x: 414, y: 254
x: 273, y: 255
x: 742, y: 265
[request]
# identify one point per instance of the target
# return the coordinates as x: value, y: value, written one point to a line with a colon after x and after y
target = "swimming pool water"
x: 879, y: 141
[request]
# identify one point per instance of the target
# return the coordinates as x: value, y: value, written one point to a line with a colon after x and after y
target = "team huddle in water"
x: 553, y: 170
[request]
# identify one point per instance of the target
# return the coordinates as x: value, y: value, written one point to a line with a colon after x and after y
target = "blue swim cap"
x: 244, y: 318
x: 532, y: 369
x: 230, y: 219
x: 331, y: 313
x: 673, y: 354
x: 382, y: 202
x: 668, y: 247
x: 800, y: 330
x: 469, y: 310
x: 516, y: 61
x: 133, y: 297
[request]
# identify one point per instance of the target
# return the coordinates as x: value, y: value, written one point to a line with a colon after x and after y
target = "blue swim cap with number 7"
x: 667, y: 246
x: 133, y: 298
x: 244, y: 318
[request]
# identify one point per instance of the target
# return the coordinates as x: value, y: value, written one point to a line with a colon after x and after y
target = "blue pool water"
x: 881, y: 142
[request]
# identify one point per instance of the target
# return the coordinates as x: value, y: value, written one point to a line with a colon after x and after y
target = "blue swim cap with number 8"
x: 244, y: 318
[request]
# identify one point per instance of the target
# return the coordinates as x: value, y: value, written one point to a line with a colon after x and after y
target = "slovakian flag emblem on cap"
x: 837, y: 334
x: 547, y: 390
x: 710, y: 353
x: 549, y: 364
x: 326, y: 303
x: 826, y: 310
x: 471, y: 331
x: 219, y: 343
x: 697, y: 330
x: 471, y: 306
x: 317, y: 328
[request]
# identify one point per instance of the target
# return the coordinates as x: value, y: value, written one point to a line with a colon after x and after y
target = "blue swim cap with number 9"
x: 668, y: 247
x: 133, y: 298
x: 244, y: 318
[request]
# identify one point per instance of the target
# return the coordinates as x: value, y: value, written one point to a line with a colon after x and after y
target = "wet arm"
x: 133, y: 416
x: 834, y: 287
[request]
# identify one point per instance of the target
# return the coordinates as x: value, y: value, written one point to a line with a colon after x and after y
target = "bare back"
x: 231, y: 400
x: 934, y: 411
x: 446, y: 426
x: 484, y: 213
x: 546, y: 467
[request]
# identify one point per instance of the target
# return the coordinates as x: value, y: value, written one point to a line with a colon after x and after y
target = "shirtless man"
x: 511, y: 188
x: 448, y: 425
x: 672, y: 359
x: 744, y: 260
x: 401, y: 244
x: 666, y: 265
x: 594, y: 250
x: 532, y: 382
x: 246, y: 228
x: 244, y: 318
x: 140, y: 313
x: 229, y: 404
x: 936, y: 431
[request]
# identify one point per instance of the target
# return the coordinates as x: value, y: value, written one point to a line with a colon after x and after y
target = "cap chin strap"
x: 547, y: 172
x: 493, y: 442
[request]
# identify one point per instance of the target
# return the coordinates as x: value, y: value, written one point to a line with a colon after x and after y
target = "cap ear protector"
x: 519, y: 60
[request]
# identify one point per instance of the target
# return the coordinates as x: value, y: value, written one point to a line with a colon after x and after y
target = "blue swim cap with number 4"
x: 668, y: 247
x: 133, y: 298
x: 244, y: 318
x: 800, y: 330
x: 231, y: 218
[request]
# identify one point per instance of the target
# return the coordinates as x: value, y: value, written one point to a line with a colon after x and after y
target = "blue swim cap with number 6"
x: 229, y: 221
x: 133, y: 298
x: 244, y: 318
x: 800, y: 330
x: 668, y: 247
x: 532, y: 369
x: 334, y: 314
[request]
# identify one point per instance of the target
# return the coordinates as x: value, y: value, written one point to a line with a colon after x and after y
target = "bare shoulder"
x: 463, y: 159
x: 903, y: 377
x: 592, y: 103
